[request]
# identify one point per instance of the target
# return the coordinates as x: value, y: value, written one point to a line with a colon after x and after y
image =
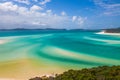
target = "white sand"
x: 104, y: 33
x: 6, y: 79
x: 24, y: 69
x: 2, y: 41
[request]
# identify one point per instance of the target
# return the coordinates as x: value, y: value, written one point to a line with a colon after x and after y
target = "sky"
x: 68, y: 14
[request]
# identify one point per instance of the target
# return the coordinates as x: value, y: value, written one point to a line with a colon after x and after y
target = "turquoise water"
x: 79, y: 42
x: 66, y: 49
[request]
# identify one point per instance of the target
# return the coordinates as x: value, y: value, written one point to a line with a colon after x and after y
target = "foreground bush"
x: 98, y: 73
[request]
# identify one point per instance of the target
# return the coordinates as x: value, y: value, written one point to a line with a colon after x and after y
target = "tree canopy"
x: 95, y: 73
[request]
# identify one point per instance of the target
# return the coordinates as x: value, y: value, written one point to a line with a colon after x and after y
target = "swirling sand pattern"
x: 25, y: 56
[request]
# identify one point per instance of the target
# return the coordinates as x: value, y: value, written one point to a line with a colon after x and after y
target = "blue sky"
x: 70, y: 14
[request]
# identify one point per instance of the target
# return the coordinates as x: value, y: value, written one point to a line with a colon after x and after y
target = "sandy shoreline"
x: 104, y: 33
x: 24, y: 69
x: 6, y: 79
x: 3, y: 41
x: 30, y: 67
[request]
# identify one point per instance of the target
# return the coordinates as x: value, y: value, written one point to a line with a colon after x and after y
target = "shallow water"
x: 32, y: 53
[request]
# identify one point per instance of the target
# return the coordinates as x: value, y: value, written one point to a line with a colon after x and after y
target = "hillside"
x: 96, y: 73
x: 115, y: 30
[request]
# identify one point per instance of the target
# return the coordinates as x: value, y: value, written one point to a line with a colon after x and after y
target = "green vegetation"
x: 99, y: 73
x: 115, y: 30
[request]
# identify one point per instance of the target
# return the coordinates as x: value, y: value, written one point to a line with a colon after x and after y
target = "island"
x: 113, y: 30
x: 20, y: 29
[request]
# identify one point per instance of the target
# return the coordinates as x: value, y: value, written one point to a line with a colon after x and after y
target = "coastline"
x: 105, y: 33
x: 15, y: 71
x: 33, y: 64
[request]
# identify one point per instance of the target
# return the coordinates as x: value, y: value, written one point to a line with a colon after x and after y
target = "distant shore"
x: 107, y: 33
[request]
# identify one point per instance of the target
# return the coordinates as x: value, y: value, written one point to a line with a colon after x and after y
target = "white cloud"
x: 113, y: 5
x: 110, y: 8
x: 35, y: 8
x: 8, y: 6
x: 23, y: 1
x: 38, y: 23
x: 74, y: 18
x: 79, y: 20
x: 14, y: 16
x: 49, y: 11
x: 63, y: 13
x: 43, y: 2
x: 22, y: 10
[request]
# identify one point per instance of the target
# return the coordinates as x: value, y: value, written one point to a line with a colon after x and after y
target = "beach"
x: 105, y: 33
x: 26, y: 56
x: 24, y: 69
x: 73, y: 39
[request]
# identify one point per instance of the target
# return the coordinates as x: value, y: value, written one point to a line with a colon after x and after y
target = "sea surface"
x: 29, y: 53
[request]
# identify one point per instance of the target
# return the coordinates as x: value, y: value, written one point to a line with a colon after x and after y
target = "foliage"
x: 98, y: 73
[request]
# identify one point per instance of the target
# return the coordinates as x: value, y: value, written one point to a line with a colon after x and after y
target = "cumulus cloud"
x: 43, y: 2
x: 8, y: 6
x: 78, y: 19
x: 15, y: 16
x: 74, y: 18
x: 81, y: 20
x: 35, y: 8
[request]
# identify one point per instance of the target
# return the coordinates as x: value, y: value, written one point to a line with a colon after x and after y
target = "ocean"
x: 29, y: 53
